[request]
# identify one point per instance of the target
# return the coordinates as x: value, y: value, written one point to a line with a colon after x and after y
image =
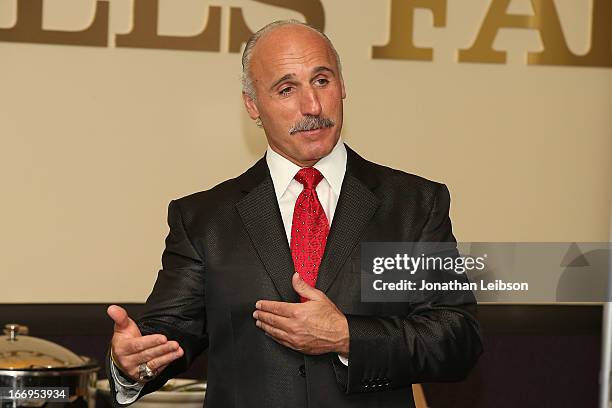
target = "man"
x: 264, y: 269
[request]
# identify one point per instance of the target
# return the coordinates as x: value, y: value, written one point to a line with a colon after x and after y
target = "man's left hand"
x: 315, y: 326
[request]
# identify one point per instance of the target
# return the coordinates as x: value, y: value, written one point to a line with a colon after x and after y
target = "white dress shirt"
x: 127, y: 390
x: 287, y: 189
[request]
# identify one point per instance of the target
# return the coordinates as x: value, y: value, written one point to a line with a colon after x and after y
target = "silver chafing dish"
x: 29, y: 362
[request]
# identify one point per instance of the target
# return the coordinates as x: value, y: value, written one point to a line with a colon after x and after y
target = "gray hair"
x: 247, y: 82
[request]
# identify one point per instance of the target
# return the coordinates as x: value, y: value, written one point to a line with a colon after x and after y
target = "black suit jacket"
x: 227, y: 248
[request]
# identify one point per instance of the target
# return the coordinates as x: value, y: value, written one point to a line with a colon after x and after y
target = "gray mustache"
x: 311, y: 123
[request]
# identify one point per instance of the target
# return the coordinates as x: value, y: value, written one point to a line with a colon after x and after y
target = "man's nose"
x: 310, y: 104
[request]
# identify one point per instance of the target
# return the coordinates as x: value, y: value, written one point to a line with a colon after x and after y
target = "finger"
x: 164, y: 360
x: 151, y: 353
x: 280, y: 322
x: 277, y: 334
x: 136, y: 345
x: 119, y: 316
x: 303, y: 289
x: 278, y: 308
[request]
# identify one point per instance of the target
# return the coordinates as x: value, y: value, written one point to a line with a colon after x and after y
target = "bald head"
x: 277, y: 35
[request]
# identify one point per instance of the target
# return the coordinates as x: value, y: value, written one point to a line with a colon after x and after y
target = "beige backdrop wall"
x: 97, y: 140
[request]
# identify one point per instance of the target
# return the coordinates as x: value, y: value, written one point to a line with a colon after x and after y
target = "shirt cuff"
x: 127, y: 391
x: 343, y: 360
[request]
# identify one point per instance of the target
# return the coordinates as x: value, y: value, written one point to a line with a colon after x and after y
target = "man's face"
x: 298, y: 86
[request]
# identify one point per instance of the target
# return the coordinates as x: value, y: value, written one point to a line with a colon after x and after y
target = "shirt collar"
x: 332, y: 166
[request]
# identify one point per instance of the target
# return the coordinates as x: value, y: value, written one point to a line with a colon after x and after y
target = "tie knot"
x: 309, y: 177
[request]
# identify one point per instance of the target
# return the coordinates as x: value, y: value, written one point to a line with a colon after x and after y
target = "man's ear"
x: 342, y: 85
x: 250, y: 106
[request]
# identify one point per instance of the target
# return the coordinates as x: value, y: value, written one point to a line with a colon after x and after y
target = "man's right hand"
x: 130, y: 348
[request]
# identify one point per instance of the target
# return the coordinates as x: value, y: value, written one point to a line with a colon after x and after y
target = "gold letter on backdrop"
x: 400, y: 45
x: 239, y: 31
x: 600, y: 52
x: 312, y: 10
x: 29, y: 27
x: 144, y: 31
x: 546, y: 21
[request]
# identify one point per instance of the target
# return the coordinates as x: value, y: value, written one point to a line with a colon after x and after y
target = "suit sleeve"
x: 176, y: 305
x: 437, y: 340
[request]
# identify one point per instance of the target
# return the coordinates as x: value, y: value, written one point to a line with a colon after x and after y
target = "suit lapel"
x: 356, y: 206
x: 262, y: 219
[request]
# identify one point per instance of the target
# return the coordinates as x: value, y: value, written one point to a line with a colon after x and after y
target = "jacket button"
x: 302, y: 370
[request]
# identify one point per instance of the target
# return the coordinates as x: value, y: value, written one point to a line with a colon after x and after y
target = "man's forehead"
x: 290, y: 48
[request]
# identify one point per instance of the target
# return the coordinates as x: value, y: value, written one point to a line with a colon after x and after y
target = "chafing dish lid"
x: 18, y: 351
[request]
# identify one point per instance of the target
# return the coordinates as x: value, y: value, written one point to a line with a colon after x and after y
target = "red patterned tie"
x: 309, y: 228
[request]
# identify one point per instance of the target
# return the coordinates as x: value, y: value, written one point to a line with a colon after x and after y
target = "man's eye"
x: 322, y: 81
x: 285, y: 91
